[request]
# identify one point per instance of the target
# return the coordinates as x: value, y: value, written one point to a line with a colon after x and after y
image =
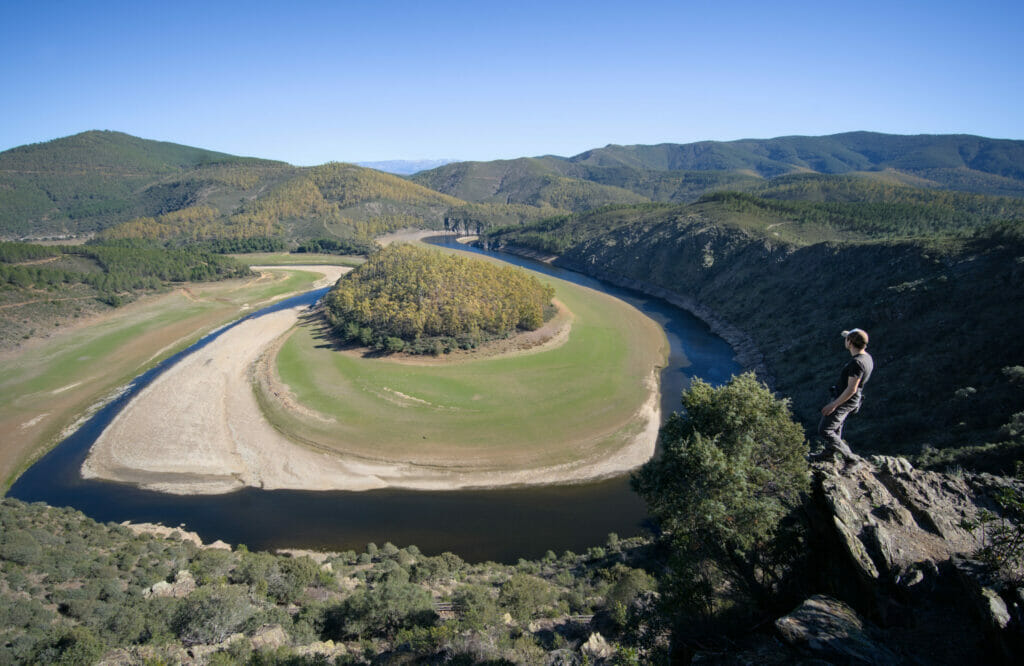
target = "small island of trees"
x: 422, y: 301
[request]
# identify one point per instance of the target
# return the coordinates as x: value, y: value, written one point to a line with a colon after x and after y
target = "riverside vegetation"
x: 779, y: 244
x: 74, y: 591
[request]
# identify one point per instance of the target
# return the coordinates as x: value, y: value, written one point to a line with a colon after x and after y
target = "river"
x: 501, y: 525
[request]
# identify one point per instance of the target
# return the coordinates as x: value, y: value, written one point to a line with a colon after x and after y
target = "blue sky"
x: 311, y: 82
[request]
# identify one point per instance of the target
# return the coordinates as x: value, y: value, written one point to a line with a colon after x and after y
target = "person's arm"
x: 851, y: 387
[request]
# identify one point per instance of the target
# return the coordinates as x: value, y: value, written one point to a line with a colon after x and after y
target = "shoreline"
x: 217, y: 440
x: 746, y: 352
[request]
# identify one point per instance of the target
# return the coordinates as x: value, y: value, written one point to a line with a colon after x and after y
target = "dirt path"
x: 199, y: 429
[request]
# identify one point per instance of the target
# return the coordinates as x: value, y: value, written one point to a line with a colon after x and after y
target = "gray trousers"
x: 831, y: 426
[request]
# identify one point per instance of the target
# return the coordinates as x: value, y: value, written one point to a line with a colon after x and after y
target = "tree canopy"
x: 406, y: 293
x: 732, y: 468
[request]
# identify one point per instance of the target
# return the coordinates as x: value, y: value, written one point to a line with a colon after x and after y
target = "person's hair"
x: 859, y: 339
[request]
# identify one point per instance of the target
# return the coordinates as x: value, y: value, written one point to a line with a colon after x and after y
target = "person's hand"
x: 828, y: 409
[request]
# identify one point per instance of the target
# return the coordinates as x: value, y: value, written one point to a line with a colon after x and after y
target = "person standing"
x: 847, y: 394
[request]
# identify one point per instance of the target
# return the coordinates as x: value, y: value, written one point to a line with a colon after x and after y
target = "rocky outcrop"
x: 897, y: 523
x: 180, y: 532
x: 184, y: 584
x: 597, y: 648
x: 894, y: 544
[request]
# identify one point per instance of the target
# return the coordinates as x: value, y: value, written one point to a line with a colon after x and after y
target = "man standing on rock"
x: 847, y: 393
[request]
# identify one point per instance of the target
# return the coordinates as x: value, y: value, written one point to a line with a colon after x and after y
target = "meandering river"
x: 501, y: 525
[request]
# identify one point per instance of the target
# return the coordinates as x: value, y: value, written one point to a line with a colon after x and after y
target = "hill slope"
x: 96, y: 180
x: 942, y: 309
x: 83, y: 183
x: 684, y: 172
x: 995, y: 163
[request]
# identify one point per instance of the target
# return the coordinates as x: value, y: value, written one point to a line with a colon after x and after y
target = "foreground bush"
x: 732, y: 470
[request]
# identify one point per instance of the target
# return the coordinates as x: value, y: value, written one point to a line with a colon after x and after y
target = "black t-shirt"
x: 861, y: 366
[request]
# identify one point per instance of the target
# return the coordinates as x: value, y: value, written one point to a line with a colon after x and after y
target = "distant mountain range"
x: 101, y: 180
x: 684, y: 172
x: 405, y: 167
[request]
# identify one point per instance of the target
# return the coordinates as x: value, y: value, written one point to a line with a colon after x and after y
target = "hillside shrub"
x: 525, y: 596
x: 732, y: 470
x: 211, y: 614
x: 382, y: 611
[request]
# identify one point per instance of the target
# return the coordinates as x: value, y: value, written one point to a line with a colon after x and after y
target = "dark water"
x: 500, y: 525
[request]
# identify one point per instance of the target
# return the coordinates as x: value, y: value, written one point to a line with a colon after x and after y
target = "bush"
x: 525, y: 596
x: 211, y: 614
x: 475, y: 606
x: 75, y: 646
x: 732, y: 469
x: 383, y: 611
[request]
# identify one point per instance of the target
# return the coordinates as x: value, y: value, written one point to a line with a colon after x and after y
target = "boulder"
x: 829, y: 629
x: 269, y: 637
x: 183, y: 585
x: 597, y: 647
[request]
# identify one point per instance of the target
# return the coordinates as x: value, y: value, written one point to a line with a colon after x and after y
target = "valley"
x: 523, y: 449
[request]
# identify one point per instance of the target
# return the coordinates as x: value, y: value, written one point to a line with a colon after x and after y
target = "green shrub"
x: 382, y: 611
x: 211, y: 614
x: 525, y: 597
x: 732, y: 469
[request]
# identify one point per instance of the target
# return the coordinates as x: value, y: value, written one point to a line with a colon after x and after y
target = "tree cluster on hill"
x: 116, y: 271
x: 896, y: 212
x: 336, y: 246
x: 320, y: 198
x: 406, y: 296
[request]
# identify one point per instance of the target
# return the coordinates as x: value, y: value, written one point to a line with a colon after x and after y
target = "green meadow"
x: 545, y: 407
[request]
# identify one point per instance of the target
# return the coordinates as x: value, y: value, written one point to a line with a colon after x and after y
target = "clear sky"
x: 311, y: 82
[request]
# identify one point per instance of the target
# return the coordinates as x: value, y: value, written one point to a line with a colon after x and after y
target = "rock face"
x: 892, y: 544
x: 896, y: 522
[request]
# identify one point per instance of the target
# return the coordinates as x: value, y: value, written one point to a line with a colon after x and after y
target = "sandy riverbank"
x: 198, y: 429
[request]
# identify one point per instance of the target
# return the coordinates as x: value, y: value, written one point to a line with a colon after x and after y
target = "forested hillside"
x: 40, y: 286
x: 961, y: 162
x: 74, y: 591
x: 685, y: 172
x: 83, y: 183
x: 126, y: 187
x: 940, y: 295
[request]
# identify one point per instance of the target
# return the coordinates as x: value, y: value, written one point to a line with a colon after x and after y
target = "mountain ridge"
x: 959, y: 161
x: 90, y: 182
